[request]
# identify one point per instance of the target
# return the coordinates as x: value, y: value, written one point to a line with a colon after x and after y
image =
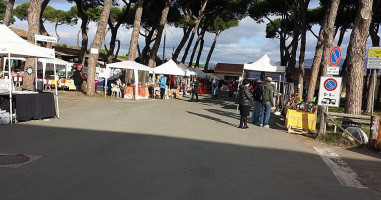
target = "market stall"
x: 136, y: 90
x: 13, y: 45
x: 189, y: 74
x: 266, y: 67
x: 174, y: 77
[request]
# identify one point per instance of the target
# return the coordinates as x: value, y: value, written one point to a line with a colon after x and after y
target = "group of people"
x: 258, y: 95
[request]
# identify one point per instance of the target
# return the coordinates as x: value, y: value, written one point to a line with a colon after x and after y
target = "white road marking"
x: 343, y: 173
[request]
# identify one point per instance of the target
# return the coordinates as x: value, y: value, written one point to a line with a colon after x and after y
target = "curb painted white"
x: 344, y: 174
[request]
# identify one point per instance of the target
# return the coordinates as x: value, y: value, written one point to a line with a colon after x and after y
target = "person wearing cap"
x: 267, y: 101
x: 257, y: 96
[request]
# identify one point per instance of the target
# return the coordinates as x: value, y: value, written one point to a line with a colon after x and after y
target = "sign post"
x: 329, y: 91
x: 374, y: 62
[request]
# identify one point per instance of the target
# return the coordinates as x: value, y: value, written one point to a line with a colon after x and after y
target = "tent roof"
x: 264, y: 64
x: 129, y: 65
x: 202, y: 74
x: 53, y: 61
x: 169, y: 68
x: 11, y: 43
x: 187, y: 71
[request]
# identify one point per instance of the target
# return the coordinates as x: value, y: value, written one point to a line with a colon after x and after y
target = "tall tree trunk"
x: 110, y: 53
x: 156, y: 45
x: 147, y: 48
x: 329, y: 18
x: 375, y: 43
x: 343, y: 29
x: 84, y: 28
x: 117, y: 50
x: 8, y: 12
x: 42, y: 27
x: 33, y: 29
x: 96, y: 44
x: 356, y: 54
x: 195, y: 28
x: 187, y: 32
x: 295, y: 41
x: 55, y: 29
x: 211, y: 50
x: 195, y: 47
x: 135, y: 30
x: 78, y: 34
x: 303, y: 17
x: 199, y: 53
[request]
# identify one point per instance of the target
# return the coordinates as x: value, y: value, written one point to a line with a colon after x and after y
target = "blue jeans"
x: 257, y: 112
x: 266, y: 110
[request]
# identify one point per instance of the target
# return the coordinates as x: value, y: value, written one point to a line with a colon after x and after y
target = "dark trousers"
x: 193, y: 94
x: 78, y: 87
x: 162, y: 91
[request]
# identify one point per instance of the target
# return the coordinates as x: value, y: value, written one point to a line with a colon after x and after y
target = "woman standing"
x: 245, y: 101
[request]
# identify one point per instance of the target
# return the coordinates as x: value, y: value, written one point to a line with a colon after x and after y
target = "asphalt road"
x: 163, y: 149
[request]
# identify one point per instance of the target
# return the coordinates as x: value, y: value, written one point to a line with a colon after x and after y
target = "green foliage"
x: 21, y: 11
x: 59, y: 16
x: 3, y: 7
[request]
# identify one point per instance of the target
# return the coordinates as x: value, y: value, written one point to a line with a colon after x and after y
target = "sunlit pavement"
x: 162, y: 149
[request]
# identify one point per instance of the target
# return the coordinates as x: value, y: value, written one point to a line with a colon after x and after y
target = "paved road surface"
x: 172, y: 149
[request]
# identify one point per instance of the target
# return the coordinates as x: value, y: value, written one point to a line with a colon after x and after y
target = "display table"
x: 301, y: 120
x: 30, y: 106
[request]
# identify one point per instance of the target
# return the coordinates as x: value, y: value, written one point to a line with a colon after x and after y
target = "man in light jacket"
x: 267, y: 101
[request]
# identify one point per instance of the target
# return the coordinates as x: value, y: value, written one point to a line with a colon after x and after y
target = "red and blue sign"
x: 335, y: 56
x: 330, y: 84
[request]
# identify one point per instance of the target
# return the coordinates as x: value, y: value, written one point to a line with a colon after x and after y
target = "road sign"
x: 329, y: 91
x: 374, y: 58
x: 44, y: 38
x: 333, y: 70
x: 335, y: 56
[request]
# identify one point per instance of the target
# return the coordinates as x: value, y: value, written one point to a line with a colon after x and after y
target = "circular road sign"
x: 330, y: 84
x: 335, y: 56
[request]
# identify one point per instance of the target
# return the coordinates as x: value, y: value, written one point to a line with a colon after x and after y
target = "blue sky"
x: 244, y: 43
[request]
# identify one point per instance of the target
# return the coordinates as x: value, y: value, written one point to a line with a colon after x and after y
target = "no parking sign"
x: 329, y: 91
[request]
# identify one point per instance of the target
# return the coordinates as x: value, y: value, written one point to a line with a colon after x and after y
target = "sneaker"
x: 267, y: 126
x: 260, y: 125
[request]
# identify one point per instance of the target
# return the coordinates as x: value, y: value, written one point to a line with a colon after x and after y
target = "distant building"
x: 227, y: 71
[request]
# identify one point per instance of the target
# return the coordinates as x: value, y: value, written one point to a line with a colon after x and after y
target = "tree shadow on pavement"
x: 224, y: 113
x: 98, y: 164
x: 212, y: 118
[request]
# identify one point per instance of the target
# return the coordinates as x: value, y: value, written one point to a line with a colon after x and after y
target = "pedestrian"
x: 77, y: 79
x: 231, y: 88
x: 195, y: 89
x: 267, y: 101
x: 257, y: 97
x: 245, y: 101
x: 162, y: 85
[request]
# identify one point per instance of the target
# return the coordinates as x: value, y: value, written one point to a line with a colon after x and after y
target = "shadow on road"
x: 90, y: 164
x: 212, y: 118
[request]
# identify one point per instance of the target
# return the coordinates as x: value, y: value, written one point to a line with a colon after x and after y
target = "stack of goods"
x: 296, y: 103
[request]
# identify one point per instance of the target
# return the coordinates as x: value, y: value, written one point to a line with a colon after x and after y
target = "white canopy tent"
x: 264, y: 64
x: 187, y: 71
x: 201, y: 74
x: 13, y: 45
x: 57, y: 62
x: 127, y: 65
x: 169, y: 68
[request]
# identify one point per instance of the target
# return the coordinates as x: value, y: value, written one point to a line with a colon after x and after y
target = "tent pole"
x: 136, y: 73
x: 106, y: 77
x: 55, y: 81
x: 43, y: 74
x: 10, y: 92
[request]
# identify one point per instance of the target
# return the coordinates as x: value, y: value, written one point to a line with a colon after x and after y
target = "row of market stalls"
x: 145, y: 80
x: 23, y: 105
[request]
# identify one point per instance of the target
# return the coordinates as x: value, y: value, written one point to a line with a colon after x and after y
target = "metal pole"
x: 55, y: 80
x: 10, y: 92
x: 35, y: 81
x: 374, y: 89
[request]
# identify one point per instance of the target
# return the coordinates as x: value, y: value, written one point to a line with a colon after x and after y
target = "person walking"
x: 195, y: 89
x: 267, y: 101
x: 162, y: 85
x: 245, y: 101
x: 77, y: 80
x: 257, y: 96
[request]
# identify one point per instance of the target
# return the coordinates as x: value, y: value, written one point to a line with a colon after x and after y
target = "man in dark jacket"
x: 245, y: 101
x: 257, y: 96
x: 77, y: 80
x: 267, y: 101
x: 196, y: 85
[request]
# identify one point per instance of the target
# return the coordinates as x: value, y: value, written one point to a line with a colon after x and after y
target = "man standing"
x: 267, y: 101
x: 195, y: 89
x: 77, y: 80
x: 257, y: 96
x: 162, y: 85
